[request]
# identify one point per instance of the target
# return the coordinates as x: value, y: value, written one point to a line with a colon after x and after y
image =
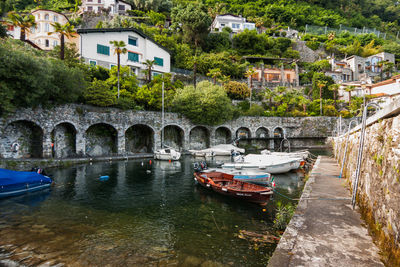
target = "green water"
x: 144, y: 215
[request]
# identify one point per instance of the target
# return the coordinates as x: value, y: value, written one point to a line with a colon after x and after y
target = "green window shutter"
x: 133, y: 57
x: 159, y: 61
x: 102, y: 49
x: 132, y: 41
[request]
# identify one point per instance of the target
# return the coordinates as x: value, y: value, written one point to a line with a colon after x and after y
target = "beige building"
x: 276, y: 75
x: 39, y: 35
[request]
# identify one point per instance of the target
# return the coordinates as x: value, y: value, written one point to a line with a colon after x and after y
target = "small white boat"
x: 218, y: 150
x: 266, y: 163
x: 298, y: 154
x: 167, y: 154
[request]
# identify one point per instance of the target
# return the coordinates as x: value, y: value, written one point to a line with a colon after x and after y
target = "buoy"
x: 104, y: 178
x: 150, y: 162
x: 148, y: 171
x: 142, y: 163
x: 264, y: 210
x: 169, y: 161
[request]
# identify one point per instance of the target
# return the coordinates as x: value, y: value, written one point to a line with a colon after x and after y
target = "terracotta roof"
x: 379, y: 95
x: 385, y: 82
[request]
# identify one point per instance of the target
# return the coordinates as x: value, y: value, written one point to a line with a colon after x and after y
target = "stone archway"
x: 63, y: 138
x: 279, y: 134
x: 223, y: 135
x: 243, y: 133
x: 101, y: 140
x: 174, y: 136
x: 139, y: 138
x: 262, y: 132
x: 22, y: 139
x: 199, y: 138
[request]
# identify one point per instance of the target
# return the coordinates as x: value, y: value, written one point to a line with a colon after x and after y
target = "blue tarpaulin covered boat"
x: 14, y: 183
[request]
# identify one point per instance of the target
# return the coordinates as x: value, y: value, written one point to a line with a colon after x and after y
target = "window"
x: 92, y: 62
x: 112, y: 66
x: 235, y: 26
x: 155, y: 73
x: 55, y: 18
x: 121, y: 7
x: 46, y: 27
x: 47, y: 43
x: 222, y: 25
x: 98, y: 9
x: 99, y: 1
x: 132, y: 41
x: 38, y: 27
x: 38, y: 41
x: 46, y: 17
x: 55, y: 43
x: 102, y: 49
x: 89, y: 8
x: 38, y: 16
x: 133, y: 57
x: 159, y: 61
x: 90, y: 0
x: 32, y: 29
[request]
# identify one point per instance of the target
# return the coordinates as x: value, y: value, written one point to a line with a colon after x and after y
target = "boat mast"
x: 162, y: 113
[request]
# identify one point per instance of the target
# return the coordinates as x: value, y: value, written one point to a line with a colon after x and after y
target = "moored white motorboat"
x: 268, y: 163
x: 167, y: 154
x: 218, y: 150
x: 297, y: 154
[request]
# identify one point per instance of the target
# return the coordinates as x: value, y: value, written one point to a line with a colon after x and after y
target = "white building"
x: 387, y: 91
x: 39, y: 35
x: 95, y: 49
x: 114, y: 6
x: 236, y: 23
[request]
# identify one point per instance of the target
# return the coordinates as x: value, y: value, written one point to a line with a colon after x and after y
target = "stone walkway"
x: 325, y: 231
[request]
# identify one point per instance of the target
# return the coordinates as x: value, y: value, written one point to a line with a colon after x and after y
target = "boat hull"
x: 23, y: 190
x: 233, y: 188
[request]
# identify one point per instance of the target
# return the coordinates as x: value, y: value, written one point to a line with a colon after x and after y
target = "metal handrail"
x: 360, y: 151
x: 345, y: 150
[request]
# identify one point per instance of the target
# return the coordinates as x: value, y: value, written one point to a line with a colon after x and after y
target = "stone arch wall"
x: 82, y: 117
x: 101, y: 139
x: 63, y: 139
x: 223, y: 135
x: 22, y: 139
x: 243, y: 132
x: 174, y: 136
x: 139, y: 138
x: 199, y: 137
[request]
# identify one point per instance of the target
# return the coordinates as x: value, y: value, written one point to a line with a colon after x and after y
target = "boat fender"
x: 14, y: 147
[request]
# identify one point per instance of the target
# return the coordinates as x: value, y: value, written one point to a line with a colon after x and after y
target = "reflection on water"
x: 145, y: 214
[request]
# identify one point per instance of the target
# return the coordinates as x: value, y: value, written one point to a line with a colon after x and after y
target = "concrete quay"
x: 324, y: 230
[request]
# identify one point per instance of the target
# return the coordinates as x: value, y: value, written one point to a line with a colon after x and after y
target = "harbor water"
x: 145, y: 214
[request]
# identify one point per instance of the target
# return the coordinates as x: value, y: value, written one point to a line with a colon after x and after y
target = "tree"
x: 214, y: 74
x: 149, y: 66
x: 321, y: 84
x: 207, y: 104
x: 66, y: 30
x: 249, y: 74
x: 23, y: 22
x: 269, y: 94
x: 99, y: 94
x: 350, y: 89
x: 303, y: 102
x: 3, y: 31
x: 193, y: 21
x: 334, y: 88
x: 119, y: 48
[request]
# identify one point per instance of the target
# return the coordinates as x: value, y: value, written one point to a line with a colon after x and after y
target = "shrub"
x: 255, y: 110
x: 314, y: 45
x: 99, y: 94
x: 237, y: 90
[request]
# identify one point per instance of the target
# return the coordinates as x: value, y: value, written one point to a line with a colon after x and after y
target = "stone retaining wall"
x: 379, y: 185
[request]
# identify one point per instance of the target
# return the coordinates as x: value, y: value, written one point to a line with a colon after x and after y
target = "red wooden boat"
x: 224, y: 184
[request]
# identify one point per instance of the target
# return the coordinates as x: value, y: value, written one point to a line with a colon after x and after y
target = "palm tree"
x: 269, y: 94
x: 149, y: 66
x: 303, y: 102
x: 321, y: 84
x: 335, y: 88
x: 23, y: 22
x: 214, y: 74
x: 249, y: 74
x: 66, y: 30
x: 119, y: 48
x: 350, y: 89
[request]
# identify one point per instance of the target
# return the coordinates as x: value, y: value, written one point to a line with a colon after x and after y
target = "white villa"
x: 39, y: 35
x: 95, y: 49
x: 236, y: 23
x: 114, y: 6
